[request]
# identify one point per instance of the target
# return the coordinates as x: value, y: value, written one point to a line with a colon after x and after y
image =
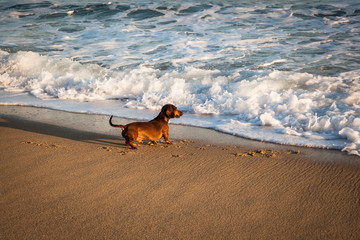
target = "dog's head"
x: 171, y: 111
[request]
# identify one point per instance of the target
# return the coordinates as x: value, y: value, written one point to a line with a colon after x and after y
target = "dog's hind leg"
x: 130, y: 144
x: 130, y: 136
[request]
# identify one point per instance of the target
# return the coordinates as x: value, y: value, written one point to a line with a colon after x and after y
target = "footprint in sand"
x: 42, y: 144
x: 259, y: 152
x: 105, y: 148
x: 186, y: 141
x: 293, y: 152
x: 53, y: 146
x: 265, y: 153
x: 111, y: 149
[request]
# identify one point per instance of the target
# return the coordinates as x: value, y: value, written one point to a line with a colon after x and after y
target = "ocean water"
x: 280, y: 71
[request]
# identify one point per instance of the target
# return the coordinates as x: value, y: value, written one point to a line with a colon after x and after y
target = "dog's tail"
x: 113, y: 125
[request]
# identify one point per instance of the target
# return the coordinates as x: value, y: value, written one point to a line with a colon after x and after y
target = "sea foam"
x: 316, y: 109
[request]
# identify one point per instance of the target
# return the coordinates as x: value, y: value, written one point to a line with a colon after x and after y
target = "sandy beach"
x: 70, y: 176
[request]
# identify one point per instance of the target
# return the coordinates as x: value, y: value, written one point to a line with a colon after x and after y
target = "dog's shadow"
x: 17, y: 122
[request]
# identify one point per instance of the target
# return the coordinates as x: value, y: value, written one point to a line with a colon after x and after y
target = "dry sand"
x: 79, y: 181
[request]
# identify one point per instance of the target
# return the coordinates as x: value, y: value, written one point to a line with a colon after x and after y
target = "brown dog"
x: 153, y: 130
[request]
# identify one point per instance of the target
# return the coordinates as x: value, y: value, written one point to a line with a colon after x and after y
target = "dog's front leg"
x: 166, y: 137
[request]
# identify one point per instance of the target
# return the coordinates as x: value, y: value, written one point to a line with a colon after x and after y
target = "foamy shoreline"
x: 98, y: 124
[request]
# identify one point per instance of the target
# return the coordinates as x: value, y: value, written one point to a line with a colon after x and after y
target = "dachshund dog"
x: 152, y: 130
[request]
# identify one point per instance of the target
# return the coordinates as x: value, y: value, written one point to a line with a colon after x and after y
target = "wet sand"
x: 70, y: 176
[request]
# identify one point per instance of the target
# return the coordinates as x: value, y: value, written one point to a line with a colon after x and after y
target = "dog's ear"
x: 168, y: 110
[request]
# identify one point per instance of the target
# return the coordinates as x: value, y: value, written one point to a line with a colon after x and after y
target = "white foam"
x: 17, y: 14
x: 290, y: 105
x: 354, y: 137
x: 273, y: 62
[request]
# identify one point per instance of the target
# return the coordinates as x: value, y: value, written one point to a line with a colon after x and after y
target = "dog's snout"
x: 178, y: 113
